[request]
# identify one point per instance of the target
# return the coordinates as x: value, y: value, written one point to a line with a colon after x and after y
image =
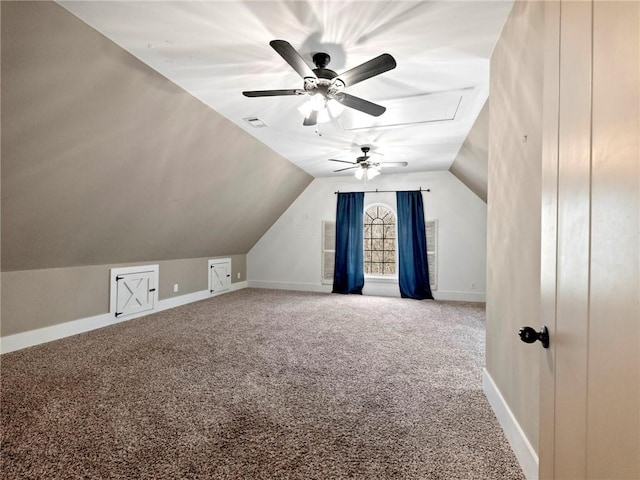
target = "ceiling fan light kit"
x: 335, y: 108
x: 325, y: 109
x: 365, y: 167
x: 367, y: 172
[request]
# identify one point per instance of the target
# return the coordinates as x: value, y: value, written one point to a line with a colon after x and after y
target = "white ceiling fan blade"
x: 343, y: 169
x: 341, y: 161
x: 393, y: 164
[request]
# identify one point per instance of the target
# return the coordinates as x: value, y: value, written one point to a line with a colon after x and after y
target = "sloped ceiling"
x: 106, y: 161
x: 123, y: 131
x: 217, y: 49
x: 471, y: 163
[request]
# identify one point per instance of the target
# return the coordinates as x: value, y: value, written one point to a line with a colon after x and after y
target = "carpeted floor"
x: 259, y: 384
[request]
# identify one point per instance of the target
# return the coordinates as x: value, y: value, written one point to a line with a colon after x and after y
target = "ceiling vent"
x: 255, y: 122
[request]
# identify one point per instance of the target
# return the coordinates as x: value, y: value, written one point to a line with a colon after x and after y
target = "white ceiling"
x: 217, y: 49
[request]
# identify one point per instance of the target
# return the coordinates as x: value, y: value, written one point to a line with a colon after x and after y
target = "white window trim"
x: 326, y: 251
x: 381, y: 278
x: 432, y: 249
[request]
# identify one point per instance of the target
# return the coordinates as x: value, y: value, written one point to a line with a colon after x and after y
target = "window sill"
x: 381, y: 278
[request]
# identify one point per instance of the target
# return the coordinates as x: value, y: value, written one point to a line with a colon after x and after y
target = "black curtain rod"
x: 387, y: 191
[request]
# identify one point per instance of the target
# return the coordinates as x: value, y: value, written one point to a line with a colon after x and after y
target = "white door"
x: 135, y: 293
x: 590, y: 375
x: 219, y: 275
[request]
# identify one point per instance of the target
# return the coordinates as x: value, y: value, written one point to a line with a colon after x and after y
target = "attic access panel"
x: 415, y: 109
x: 133, y: 291
x: 219, y: 275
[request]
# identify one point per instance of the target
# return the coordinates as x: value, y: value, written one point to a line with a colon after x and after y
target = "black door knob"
x: 529, y: 335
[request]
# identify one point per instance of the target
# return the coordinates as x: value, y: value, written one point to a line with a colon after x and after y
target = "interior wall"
x: 106, y: 161
x: 289, y: 254
x: 470, y: 165
x: 514, y: 211
x: 33, y: 299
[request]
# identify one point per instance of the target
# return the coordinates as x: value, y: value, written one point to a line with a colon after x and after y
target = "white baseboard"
x: 371, y: 287
x: 238, y: 286
x: 381, y: 289
x: 524, y: 452
x: 180, y: 300
x: 385, y: 289
x: 460, y: 296
x: 18, y: 341
x: 298, y: 287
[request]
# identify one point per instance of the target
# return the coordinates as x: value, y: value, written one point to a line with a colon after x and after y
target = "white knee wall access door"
x: 133, y: 291
x: 219, y: 275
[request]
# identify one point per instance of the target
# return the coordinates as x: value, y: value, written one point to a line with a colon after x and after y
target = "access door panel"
x: 219, y: 275
x: 133, y: 291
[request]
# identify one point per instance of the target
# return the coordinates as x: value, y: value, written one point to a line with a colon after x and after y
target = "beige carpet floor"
x: 259, y: 384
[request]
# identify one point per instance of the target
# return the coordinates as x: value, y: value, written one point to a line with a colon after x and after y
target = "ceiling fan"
x: 325, y: 86
x: 366, y: 167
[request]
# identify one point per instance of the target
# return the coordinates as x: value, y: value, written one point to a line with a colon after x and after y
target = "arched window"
x: 379, y: 241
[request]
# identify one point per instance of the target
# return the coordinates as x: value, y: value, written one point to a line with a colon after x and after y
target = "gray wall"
x: 106, y: 162
x: 514, y: 211
x: 34, y: 299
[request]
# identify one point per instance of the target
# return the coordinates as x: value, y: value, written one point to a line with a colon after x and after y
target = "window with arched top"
x: 379, y: 241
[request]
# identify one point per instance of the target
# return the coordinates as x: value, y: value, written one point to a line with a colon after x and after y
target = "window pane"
x: 379, y: 241
x: 390, y: 231
x: 389, y: 268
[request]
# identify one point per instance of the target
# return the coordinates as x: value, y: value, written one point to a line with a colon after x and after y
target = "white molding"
x: 381, y: 287
x: 237, y: 286
x: 18, y: 341
x: 460, y: 296
x: 178, y: 301
x: 372, y: 286
x: 524, y: 452
x: 299, y: 287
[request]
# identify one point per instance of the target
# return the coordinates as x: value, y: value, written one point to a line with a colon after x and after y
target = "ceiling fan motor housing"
x: 364, y: 159
x: 321, y: 59
x: 324, y: 82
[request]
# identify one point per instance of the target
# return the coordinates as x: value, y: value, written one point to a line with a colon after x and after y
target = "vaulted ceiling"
x: 123, y: 123
x: 215, y: 50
